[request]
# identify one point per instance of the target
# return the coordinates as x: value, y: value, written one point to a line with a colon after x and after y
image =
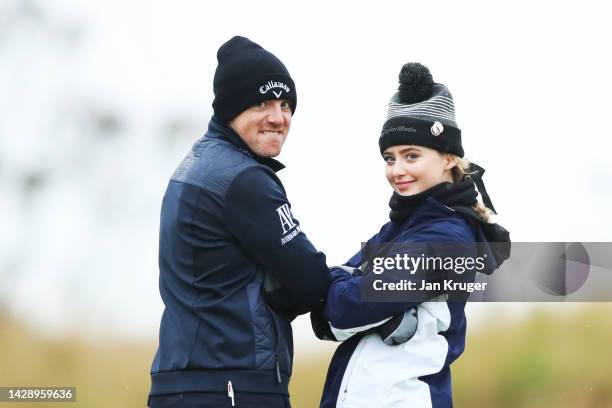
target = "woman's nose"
x: 398, y: 169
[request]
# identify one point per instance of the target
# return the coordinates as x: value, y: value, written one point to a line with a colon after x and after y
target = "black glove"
x: 278, y: 299
x: 320, y: 326
x: 399, y: 329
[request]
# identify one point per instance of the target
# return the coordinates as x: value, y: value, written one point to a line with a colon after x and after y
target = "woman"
x: 398, y: 354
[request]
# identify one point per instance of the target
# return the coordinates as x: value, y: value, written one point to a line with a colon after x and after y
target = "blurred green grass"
x: 550, y: 359
x: 547, y: 360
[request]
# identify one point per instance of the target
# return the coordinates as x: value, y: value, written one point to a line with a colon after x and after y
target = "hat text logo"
x: 271, y: 85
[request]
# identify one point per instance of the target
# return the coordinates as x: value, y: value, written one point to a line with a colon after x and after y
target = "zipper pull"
x: 278, y: 370
x: 230, y: 392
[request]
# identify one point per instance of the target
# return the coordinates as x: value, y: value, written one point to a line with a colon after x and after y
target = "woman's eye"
x: 388, y: 159
x: 412, y: 156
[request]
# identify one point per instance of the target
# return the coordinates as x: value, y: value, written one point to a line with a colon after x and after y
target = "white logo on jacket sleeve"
x: 286, y: 219
x: 287, y: 223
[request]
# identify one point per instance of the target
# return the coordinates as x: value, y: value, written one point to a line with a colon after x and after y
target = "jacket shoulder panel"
x: 213, y: 164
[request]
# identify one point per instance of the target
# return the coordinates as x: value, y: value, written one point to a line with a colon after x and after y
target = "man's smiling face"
x: 264, y: 127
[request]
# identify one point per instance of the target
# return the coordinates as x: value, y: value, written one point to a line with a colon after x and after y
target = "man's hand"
x: 320, y: 326
x: 278, y: 299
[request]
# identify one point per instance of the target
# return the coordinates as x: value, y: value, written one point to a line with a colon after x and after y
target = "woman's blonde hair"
x: 462, y: 171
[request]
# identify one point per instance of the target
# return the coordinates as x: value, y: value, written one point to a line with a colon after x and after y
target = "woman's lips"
x: 402, y: 185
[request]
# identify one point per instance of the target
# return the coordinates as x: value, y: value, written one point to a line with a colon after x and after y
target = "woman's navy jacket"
x: 225, y: 224
x: 366, y: 372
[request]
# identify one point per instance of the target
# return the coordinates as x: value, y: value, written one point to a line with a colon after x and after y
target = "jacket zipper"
x: 276, y: 341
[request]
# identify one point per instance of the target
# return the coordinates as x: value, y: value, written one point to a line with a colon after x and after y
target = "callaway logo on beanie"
x: 421, y: 113
x: 246, y: 75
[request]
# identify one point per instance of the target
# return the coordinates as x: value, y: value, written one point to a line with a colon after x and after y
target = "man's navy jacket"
x: 226, y: 223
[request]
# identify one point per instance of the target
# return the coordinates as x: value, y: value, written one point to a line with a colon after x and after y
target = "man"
x: 226, y: 228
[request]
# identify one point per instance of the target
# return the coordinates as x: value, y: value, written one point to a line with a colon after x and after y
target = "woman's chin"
x: 407, y: 192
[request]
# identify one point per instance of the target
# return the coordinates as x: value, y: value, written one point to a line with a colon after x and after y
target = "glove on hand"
x: 399, y: 329
x: 278, y: 299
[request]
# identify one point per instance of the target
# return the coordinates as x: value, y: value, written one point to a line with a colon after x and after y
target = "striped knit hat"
x: 421, y: 113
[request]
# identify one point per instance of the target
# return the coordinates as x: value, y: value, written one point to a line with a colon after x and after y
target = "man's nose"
x: 275, y: 113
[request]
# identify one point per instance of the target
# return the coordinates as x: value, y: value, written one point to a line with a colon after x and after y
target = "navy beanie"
x: 421, y: 113
x: 246, y: 75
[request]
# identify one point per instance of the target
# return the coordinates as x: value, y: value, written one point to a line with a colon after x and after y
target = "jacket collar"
x: 446, y: 193
x: 429, y: 209
x: 218, y: 130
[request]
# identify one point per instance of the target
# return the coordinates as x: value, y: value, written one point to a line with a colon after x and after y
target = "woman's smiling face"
x: 411, y: 169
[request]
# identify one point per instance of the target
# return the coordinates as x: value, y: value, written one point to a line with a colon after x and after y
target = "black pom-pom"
x: 416, y: 83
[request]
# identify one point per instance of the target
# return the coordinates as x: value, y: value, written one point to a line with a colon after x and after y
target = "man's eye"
x: 286, y: 105
x: 261, y: 105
